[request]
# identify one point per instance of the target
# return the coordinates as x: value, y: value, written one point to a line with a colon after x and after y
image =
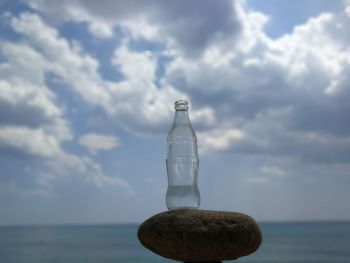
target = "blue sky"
x: 86, y: 99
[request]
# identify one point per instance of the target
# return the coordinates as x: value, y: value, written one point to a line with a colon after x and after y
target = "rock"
x: 200, y: 235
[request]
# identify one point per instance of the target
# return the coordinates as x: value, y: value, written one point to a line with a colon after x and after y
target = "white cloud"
x: 218, y: 139
x: 275, y: 91
x: 27, y: 103
x: 258, y: 179
x: 69, y: 11
x: 268, y: 173
x: 203, y: 117
x: 252, y: 94
x: 62, y: 58
x: 30, y: 141
x: 185, y: 27
x: 181, y: 26
x: 12, y: 189
x: 101, y: 30
x: 272, y: 170
x: 293, y: 78
x: 71, y: 166
x: 31, y: 121
x: 98, y: 142
x: 135, y: 102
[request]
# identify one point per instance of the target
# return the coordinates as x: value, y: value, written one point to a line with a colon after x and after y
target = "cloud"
x: 286, y: 95
x: 12, y: 189
x: 98, y: 142
x: 60, y: 57
x: 249, y: 94
x: 29, y: 141
x: 268, y: 173
x: 135, y: 102
x: 218, y: 139
x: 82, y: 168
x: 272, y: 170
x: 258, y: 179
x: 32, y: 124
x: 100, y: 29
x: 23, y: 102
x: 183, y: 26
x: 256, y: 96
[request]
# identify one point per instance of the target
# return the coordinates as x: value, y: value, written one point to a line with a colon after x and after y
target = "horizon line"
x: 95, y: 224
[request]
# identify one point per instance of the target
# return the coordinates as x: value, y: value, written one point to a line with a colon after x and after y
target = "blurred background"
x: 86, y: 100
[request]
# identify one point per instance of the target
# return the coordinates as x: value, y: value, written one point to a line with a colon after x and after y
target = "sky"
x: 87, y: 90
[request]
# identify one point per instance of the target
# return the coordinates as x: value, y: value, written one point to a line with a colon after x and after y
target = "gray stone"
x: 200, y: 235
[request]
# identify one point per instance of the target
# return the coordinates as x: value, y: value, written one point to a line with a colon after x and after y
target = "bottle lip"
x: 181, y: 105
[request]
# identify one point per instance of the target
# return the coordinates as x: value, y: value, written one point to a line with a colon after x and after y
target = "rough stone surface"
x: 200, y: 235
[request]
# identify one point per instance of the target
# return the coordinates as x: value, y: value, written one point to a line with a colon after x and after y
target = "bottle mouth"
x: 181, y: 105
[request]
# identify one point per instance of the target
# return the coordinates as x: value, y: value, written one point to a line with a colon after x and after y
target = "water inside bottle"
x: 182, y: 189
x: 182, y: 197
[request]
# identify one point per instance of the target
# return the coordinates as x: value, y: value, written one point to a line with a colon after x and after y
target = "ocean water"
x: 282, y: 243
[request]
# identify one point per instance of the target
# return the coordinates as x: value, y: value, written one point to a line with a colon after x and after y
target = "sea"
x: 311, y: 242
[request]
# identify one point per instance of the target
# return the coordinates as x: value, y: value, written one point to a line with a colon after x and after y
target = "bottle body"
x: 182, y: 162
x: 182, y: 192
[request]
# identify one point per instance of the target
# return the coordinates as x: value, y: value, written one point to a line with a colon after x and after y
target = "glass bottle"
x: 182, y: 162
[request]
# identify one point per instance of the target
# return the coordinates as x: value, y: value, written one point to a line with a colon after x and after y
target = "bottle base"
x: 182, y: 197
x: 183, y: 208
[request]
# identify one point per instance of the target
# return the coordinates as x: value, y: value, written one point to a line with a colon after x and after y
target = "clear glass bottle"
x: 182, y: 162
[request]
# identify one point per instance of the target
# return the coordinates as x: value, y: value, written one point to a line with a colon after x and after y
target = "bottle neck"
x: 181, y: 117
